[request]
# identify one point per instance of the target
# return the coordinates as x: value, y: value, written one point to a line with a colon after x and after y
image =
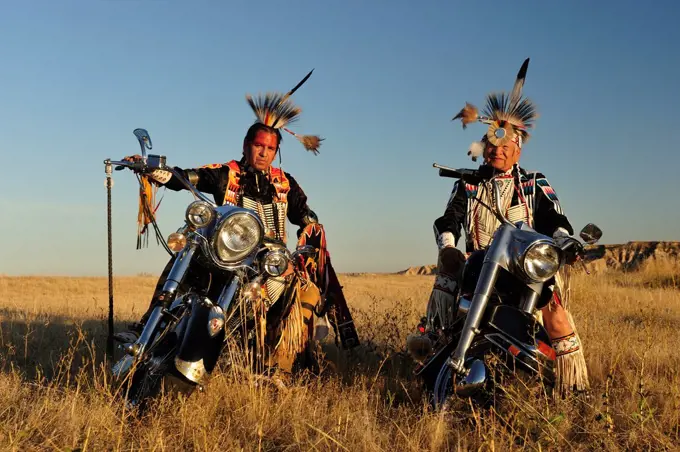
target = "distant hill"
x: 628, y: 256
x: 422, y: 270
x: 631, y: 255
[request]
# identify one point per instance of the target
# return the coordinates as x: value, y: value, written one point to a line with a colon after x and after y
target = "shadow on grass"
x: 43, y: 347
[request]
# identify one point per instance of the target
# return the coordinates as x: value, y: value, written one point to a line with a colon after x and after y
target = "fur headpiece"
x: 508, y: 116
x: 276, y: 110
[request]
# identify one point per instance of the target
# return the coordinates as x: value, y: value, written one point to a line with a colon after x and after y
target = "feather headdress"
x: 508, y: 116
x: 276, y: 110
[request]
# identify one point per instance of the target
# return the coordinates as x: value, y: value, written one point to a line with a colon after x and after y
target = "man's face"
x: 261, y: 151
x: 502, y: 157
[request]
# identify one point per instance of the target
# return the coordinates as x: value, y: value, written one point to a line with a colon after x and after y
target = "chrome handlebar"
x: 157, y: 162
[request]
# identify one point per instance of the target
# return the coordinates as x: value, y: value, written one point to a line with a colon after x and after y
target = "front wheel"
x: 477, y: 385
x: 154, y: 377
x: 491, y: 373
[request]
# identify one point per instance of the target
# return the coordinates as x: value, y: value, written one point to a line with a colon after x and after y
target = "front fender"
x: 198, y: 353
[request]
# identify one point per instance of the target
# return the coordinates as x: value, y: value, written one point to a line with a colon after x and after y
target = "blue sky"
x: 78, y: 76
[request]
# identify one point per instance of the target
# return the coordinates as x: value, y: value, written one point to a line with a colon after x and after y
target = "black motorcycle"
x: 491, y: 332
x: 221, y: 262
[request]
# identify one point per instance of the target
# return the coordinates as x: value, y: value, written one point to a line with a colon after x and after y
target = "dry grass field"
x: 54, y: 392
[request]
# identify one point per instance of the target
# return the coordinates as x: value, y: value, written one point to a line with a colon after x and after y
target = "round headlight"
x: 541, y: 261
x: 237, y: 236
x: 177, y: 241
x: 199, y: 214
x: 276, y: 262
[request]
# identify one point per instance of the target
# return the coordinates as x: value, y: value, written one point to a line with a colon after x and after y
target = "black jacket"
x: 547, y: 215
x: 254, y: 184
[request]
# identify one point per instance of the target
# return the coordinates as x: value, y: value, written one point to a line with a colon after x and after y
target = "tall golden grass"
x: 55, y: 393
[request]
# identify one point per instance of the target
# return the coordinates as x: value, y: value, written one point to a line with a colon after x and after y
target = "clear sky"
x: 77, y: 77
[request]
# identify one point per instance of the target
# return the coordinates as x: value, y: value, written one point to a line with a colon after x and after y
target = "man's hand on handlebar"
x: 572, y: 249
x: 133, y: 158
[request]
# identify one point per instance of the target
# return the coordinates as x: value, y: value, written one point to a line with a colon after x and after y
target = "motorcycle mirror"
x: 590, y: 233
x: 144, y: 140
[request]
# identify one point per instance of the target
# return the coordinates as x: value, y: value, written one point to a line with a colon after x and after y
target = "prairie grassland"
x: 54, y: 392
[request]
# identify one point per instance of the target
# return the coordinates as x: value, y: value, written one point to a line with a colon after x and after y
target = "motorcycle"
x: 491, y: 332
x: 212, y: 293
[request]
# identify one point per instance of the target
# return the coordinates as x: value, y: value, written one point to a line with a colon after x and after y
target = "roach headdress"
x: 276, y: 110
x: 508, y: 116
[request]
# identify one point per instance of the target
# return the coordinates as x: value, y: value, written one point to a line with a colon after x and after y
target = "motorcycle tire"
x: 501, y: 374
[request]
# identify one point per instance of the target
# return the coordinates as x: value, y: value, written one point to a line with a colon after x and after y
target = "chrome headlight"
x: 276, y: 262
x: 199, y: 214
x: 237, y: 235
x: 541, y: 261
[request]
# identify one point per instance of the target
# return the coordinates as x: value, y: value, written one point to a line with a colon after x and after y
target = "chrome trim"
x: 213, y: 214
x: 493, y: 261
x: 218, y: 227
x: 193, y: 371
x: 530, y: 303
x: 523, y: 254
x: 216, y: 314
x: 214, y: 260
x: 209, y: 236
x: 273, y: 254
x: 473, y: 381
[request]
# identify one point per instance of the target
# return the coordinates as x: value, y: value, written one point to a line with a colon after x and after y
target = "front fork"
x: 493, y: 259
x: 485, y: 285
x: 172, y: 282
x: 493, y: 263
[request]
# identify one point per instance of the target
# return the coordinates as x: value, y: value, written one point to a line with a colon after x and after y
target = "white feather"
x: 476, y: 150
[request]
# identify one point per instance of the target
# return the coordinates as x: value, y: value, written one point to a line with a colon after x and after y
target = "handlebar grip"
x: 136, y: 167
x: 449, y: 173
x: 466, y: 175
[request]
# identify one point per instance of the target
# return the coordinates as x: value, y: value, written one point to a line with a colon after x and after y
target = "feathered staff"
x: 277, y: 111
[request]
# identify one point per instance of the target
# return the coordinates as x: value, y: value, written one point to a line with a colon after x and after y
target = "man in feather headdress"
x: 252, y: 182
x: 527, y: 197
